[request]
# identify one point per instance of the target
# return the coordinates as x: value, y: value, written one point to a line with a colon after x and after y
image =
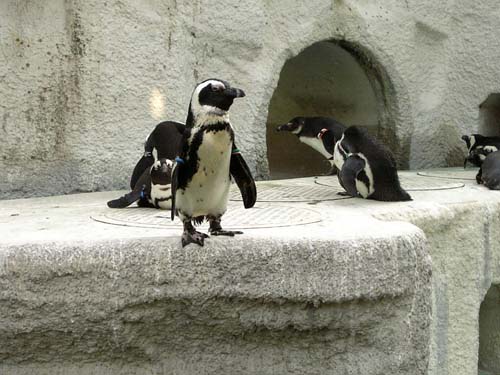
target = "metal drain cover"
x: 292, y: 193
x: 235, y: 217
x: 452, y: 174
x: 408, y: 182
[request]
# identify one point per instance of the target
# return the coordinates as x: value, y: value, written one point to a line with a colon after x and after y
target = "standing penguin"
x: 208, y: 157
x: 489, y: 173
x: 320, y: 133
x: 367, y: 168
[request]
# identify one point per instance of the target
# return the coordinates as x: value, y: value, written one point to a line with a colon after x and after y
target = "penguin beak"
x: 234, y: 92
x: 284, y: 127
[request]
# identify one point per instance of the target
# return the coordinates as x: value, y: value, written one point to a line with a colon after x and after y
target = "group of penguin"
x: 187, y: 168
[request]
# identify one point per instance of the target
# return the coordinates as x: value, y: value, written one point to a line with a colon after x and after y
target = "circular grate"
x: 294, y: 193
x: 235, y: 217
x: 453, y: 174
x: 408, y: 182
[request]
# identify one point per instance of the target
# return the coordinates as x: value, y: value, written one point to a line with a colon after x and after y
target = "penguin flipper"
x: 145, y: 162
x: 352, y: 166
x: 142, y: 186
x: 243, y: 177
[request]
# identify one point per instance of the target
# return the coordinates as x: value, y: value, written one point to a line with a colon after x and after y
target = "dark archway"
x: 329, y: 78
x: 489, y: 115
x: 489, y: 332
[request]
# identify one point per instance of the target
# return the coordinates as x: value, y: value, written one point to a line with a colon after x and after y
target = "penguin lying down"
x: 366, y: 168
x: 489, y: 173
x: 152, y: 189
x: 479, y: 147
x: 483, y: 153
x: 149, y: 179
x: 320, y: 133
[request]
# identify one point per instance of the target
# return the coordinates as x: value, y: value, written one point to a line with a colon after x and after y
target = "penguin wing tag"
x: 243, y: 177
x: 352, y: 166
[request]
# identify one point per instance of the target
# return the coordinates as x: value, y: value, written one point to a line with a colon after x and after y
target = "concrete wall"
x: 83, y: 82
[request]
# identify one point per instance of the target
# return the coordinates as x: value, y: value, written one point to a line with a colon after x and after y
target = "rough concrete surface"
x: 83, y: 82
x: 347, y: 295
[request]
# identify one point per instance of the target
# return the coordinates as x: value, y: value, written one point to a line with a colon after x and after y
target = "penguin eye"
x: 216, y: 88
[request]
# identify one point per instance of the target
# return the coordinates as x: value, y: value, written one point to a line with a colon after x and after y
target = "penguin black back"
x: 381, y: 165
x: 489, y: 174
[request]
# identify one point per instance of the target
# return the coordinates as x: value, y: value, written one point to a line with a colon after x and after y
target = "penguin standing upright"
x: 367, y: 168
x: 207, y: 159
x: 320, y: 133
x: 489, y: 173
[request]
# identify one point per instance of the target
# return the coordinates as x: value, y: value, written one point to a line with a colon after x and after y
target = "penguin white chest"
x: 316, y: 144
x: 207, y: 192
x: 365, y: 188
x: 161, y: 196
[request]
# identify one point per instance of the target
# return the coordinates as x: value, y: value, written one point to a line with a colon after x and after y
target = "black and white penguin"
x: 367, y: 169
x: 162, y: 143
x: 152, y: 189
x: 478, y: 147
x: 208, y: 158
x: 489, y: 173
x: 320, y: 133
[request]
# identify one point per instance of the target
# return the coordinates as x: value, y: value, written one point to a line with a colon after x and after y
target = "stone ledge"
x: 348, y: 293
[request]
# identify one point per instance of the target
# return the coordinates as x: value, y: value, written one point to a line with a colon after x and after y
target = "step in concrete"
x: 316, y: 284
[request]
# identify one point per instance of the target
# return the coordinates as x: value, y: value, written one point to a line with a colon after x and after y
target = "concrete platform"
x: 317, y: 284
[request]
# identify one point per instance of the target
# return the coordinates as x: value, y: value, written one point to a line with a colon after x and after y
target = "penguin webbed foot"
x: 191, y: 235
x: 216, y: 229
x: 346, y: 194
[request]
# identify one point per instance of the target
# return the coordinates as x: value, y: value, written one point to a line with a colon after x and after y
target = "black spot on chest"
x: 192, y: 160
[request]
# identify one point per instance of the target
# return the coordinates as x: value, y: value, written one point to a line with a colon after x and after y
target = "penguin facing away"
x: 479, y: 147
x: 489, y: 173
x: 152, y: 189
x: 367, y: 168
x: 320, y: 133
x: 207, y: 158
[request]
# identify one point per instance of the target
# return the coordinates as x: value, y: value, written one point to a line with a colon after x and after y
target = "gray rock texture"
x: 83, y: 82
x: 347, y: 295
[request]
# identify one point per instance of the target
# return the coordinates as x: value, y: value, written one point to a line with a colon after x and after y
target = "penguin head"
x: 212, y: 97
x: 295, y: 126
x: 161, y: 172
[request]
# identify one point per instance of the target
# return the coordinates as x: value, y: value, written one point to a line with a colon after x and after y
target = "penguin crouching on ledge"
x: 478, y: 147
x: 202, y: 173
x: 366, y: 168
x: 320, y: 133
x: 489, y: 173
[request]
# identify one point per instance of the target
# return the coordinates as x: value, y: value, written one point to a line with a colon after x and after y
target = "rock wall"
x: 83, y: 82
